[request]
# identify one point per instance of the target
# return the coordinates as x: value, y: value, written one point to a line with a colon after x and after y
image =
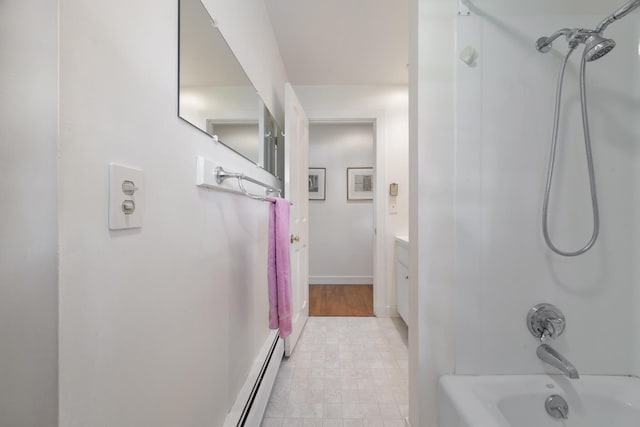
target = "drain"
x: 557, y: 407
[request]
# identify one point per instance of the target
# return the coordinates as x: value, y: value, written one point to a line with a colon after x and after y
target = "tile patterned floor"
x: 344, y: 372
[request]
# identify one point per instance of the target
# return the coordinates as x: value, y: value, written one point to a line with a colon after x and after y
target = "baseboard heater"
x: 252, y: 400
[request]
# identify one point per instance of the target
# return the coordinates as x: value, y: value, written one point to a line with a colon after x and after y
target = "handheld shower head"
x: 596, y: 47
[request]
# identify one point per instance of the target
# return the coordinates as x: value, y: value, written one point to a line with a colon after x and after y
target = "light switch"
x: 126, y: 197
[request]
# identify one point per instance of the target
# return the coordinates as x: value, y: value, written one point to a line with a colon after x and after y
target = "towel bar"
x: 222, y: 174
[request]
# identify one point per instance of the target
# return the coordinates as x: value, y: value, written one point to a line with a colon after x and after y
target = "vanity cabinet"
x: 402, y: 278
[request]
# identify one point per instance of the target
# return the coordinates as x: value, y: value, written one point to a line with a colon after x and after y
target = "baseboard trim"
x: 340, y: 280
x: 385, y: 311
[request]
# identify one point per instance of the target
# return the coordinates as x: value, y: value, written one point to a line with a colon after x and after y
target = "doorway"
x: 341, y: 218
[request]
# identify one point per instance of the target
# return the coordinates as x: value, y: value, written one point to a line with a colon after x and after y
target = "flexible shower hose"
x: 552, y: 161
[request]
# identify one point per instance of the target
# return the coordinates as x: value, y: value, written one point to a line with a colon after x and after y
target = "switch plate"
x: 206, y: 173
x: 118, y: 219
x: 393, y: 208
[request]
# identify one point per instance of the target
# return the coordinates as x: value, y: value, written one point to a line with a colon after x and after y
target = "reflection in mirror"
x: 273, y: 145
x: 217, y: 97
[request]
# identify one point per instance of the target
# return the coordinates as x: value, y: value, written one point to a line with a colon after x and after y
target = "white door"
x: 296, y: 189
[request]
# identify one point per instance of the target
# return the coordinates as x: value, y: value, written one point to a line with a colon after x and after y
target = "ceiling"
x: 342, y: 42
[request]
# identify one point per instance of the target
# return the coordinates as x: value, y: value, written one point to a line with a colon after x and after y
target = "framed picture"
x: 317, y: 182
x: 359, y: 183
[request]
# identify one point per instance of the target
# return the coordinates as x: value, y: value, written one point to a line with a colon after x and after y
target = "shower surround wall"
x: 480, y: 146
x: 504, y: 120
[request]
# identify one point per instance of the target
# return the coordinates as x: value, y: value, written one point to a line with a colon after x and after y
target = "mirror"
x: 217, y: 97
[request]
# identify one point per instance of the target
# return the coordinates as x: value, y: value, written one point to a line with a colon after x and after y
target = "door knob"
x: 295, y: 238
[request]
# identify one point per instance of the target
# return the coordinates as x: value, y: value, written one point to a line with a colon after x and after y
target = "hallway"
x: 341, y: 300
x: 346, y: 372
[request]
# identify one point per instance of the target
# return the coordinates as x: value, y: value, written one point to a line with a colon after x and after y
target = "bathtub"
x: 518, y: 401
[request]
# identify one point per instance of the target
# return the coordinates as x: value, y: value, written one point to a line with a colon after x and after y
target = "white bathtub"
x: 518, y: 401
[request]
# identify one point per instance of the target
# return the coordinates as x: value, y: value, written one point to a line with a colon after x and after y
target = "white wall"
x: 432, y: 228
x: 28, y: 225
x: 158, y: 326
x: 388, y: 106
x: 340, y: 231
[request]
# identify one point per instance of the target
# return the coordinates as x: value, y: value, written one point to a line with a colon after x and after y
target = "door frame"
x: 381, y: 306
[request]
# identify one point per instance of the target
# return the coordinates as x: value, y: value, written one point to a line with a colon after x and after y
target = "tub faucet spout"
x: 553, y: 358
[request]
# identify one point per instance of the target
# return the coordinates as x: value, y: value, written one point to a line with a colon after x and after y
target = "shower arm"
x: 574, y: 37
x: 544, y: 43
x: 618, y: 14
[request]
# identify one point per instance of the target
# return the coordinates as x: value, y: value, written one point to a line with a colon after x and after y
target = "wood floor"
x: 341, y: 300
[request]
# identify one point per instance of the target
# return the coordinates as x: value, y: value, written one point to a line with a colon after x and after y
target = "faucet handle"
x: 553, y: 327
x: 545, y: 321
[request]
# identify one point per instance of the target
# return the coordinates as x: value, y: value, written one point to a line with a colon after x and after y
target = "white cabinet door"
x: 296, y: 190
x: 402, y: 283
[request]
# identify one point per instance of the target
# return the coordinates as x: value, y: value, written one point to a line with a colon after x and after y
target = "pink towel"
x: 279, y: 270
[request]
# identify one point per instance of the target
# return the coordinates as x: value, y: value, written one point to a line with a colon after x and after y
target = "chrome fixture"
x: 618, y: 14
x: 593, y: 40
x: 596, y: 46
x: 552, y: 161
x: 221, y: 175
x: 545, y: 321
x: 557, y: 407
x: 555, y: 359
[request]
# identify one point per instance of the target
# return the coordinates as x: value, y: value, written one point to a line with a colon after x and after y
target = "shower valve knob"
x: 545, y: 321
